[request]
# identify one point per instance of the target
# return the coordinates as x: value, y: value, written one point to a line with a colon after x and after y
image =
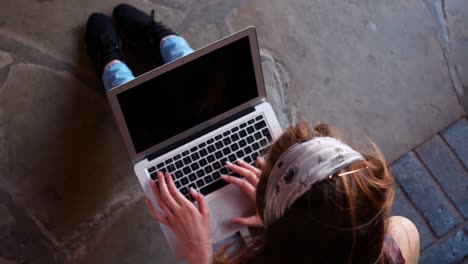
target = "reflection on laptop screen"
x: 189, y: 94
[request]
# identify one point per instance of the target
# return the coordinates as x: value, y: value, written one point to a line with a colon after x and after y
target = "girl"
x: 317, y: 200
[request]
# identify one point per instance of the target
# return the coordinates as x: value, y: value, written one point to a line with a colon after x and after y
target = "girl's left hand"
x: 190, y: 224
x: 248, y: 185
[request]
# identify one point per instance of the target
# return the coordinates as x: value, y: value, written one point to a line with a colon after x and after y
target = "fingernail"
x: 193, y: 190
x: 228, y: 163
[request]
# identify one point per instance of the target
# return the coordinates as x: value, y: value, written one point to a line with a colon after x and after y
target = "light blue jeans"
x: 172, y: 48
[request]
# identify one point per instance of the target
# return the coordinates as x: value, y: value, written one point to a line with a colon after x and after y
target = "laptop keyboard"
x: 201, y: 166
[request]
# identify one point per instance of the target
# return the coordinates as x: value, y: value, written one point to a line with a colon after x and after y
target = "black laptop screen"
x: 188, y: 95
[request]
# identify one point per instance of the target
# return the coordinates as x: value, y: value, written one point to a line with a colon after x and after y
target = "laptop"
x: 190, y: 116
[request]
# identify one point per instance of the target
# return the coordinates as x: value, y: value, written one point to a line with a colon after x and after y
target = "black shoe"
x: 102, y: 41
x: 141, y: 30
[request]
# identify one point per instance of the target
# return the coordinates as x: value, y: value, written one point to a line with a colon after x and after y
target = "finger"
x: 202, y: 205
x: 156, y: 214
x: 260, y: 163
x: 248, y: 174
x: 244, y: 164
x: 175, y: 193
x: 167, y: 197
x: 242, y: 184
x: 160, y: 201
x: 252, y: 221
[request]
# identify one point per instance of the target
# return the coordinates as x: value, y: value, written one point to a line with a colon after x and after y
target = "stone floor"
x: 392, y: 71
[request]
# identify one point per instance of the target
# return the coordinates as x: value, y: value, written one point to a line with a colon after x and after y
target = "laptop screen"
x: 188, y: 95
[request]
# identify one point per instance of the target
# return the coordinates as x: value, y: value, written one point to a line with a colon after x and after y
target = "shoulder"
x: 406, y: 235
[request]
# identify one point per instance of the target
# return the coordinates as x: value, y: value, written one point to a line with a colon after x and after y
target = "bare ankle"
x: 165, y: 38
x: 110, y: 63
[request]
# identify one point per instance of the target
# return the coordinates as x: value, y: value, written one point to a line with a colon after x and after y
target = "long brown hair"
x: 339, y: 220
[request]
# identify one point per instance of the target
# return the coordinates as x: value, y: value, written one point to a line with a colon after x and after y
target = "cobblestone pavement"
x: 392, y: 71
x: 432, y: 191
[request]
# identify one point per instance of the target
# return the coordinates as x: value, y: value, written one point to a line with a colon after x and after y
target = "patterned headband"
x: 302, y: 165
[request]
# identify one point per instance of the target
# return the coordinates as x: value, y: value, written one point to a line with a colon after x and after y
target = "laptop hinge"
x: 200, y: 133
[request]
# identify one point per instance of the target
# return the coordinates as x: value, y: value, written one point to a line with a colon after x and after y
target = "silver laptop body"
x: 227, y: 123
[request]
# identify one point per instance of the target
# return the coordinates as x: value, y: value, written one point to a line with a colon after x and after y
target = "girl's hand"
x: 248, y: 185
x: 190, y: 224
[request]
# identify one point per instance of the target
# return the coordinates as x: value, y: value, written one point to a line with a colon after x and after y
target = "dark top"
x: 392, y: 250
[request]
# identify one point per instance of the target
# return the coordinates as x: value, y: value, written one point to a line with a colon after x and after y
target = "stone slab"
x: 402, y: 207
x: 277, y: 81
x: 5, y: 216
x: 452, y: 251
x: 457, y: 138
x: 135, y: 237
x: 447, y: 170
x: 22, y: 240
x: 456, y: 12
x: 422, y: 190
x: 5, y: 62
x: 370, y: 68
x: 6, y: 261
x: 5, y: 59
x: 202, y: 22
x: 61, y: 153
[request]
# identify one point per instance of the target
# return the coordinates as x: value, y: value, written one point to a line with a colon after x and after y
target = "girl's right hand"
x: 248, y: 185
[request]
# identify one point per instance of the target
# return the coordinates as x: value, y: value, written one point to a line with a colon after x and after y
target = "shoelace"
x: 107, y: 46
x: 151, y: 28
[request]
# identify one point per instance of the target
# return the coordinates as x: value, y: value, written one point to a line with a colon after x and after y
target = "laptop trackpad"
x: 224, y: 204
x: 228, y: 203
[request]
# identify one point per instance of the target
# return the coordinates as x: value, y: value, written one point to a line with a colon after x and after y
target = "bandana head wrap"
x: 302, y: 165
